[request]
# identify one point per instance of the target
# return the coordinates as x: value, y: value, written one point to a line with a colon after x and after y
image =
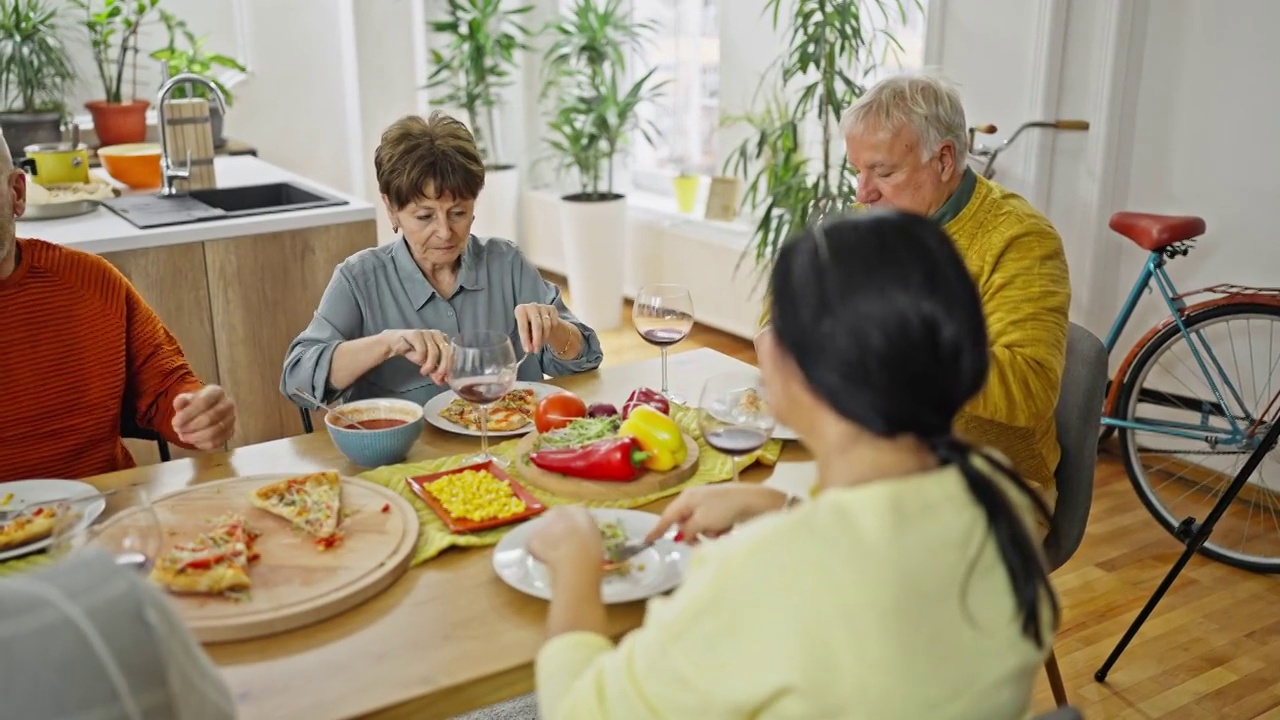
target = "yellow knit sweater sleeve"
x: 1018, y: 262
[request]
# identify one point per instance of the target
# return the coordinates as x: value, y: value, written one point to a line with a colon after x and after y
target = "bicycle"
x: 1147, y: 401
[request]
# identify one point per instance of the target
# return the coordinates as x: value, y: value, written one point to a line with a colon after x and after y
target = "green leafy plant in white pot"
x: 833, y: 47
x: 592, y: 113
x: 477, y: 59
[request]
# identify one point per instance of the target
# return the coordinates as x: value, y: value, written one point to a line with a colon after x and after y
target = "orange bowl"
x: 135, y: 164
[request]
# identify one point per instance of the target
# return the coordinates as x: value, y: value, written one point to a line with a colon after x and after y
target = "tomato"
x: 557, y: 410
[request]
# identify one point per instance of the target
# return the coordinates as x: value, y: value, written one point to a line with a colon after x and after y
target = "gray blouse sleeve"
x: 531, y: 287
x: 337, y: 320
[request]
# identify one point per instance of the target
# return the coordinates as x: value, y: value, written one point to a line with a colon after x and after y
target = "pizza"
x: 311, y: 502
x: 28, y: 528
x: 215, y: 563
x: 511, y: 412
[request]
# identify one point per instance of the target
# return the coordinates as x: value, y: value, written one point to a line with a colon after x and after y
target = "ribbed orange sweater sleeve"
x: 80, y: 351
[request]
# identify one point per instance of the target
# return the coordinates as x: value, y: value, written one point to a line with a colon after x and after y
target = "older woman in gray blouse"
x: 384, y: 322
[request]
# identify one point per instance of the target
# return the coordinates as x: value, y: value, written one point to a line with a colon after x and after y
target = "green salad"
x: 582, y: 431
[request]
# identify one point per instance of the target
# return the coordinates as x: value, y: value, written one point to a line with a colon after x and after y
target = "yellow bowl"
x: 135, y: 164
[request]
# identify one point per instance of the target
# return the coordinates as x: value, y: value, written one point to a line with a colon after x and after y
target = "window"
x: 685, y: 50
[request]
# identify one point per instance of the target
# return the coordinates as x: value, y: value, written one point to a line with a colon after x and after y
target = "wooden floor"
x: 1212, y: 649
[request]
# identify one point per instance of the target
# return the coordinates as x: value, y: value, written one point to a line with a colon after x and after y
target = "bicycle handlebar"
x: 990, y: 154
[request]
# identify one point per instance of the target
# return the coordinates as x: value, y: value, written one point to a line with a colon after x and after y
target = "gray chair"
x: 1078, y: 417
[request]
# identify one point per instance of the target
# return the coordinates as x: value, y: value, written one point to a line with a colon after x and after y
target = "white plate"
x: 38, y: 491
x: 438, y: 403
x: 782, y: 432
x: 653, y: 572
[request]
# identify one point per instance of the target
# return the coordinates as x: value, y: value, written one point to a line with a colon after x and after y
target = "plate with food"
x: 598, y: 452
x: 475, y: 497
x: 514, y: 414
x: 65, y: 199
x: 653, y: 571
x: 32, y: 529
x: 257, y: 555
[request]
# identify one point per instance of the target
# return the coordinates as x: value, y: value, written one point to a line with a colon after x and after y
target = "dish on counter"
x: 65, y: 199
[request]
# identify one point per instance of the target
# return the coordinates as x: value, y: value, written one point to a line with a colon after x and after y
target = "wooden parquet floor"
x: 1212, y: 648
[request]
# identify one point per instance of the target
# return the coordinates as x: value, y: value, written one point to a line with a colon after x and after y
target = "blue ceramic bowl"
x: 379, y: 445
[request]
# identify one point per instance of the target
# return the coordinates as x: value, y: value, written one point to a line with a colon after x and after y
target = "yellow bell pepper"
x: 658, y: 435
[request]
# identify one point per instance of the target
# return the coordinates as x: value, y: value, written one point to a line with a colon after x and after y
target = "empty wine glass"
x: 483, y: 369
x: 663, y: 315
x: 128, y: 529
x: 733, y: 415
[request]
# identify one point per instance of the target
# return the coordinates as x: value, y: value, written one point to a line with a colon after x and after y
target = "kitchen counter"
x: 234, y: 292
x: 102, y: 231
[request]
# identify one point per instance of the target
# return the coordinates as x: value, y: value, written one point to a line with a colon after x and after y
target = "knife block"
x: 187, y: 128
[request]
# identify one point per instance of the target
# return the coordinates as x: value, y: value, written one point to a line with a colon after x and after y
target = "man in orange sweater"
x: 80, y: 354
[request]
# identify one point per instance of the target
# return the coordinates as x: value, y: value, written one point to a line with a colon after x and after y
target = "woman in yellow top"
x: 908, y: 587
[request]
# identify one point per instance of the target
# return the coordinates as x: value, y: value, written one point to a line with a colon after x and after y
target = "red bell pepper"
x: 617, y: 459
x: 646, y: 396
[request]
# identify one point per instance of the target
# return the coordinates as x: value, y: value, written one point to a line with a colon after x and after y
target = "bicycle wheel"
x: 1182, y: 474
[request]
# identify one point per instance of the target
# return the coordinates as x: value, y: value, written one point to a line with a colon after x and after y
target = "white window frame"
x: 654, y: 181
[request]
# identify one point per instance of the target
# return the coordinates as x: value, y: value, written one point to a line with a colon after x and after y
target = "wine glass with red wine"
x: 663, y: 315
x: 483, y: 369
x: 733, y: 415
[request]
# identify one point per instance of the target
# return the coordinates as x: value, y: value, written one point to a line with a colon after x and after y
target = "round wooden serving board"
x: 294, y: 583
x: 574, y: 488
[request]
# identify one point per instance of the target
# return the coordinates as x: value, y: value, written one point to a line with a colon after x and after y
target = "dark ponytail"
x: 1018, y: 551
x: 884, y: 321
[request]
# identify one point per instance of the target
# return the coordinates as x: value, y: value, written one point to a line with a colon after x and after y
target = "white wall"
x: 1181, y: 125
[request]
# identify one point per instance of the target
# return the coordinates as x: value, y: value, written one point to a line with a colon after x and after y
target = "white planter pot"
x: 594, y: 242
x: 497, y: 208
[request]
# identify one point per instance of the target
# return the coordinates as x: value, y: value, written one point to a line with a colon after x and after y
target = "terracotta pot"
x: 119, y: 123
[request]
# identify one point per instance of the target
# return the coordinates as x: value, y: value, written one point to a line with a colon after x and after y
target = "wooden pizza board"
x: 294, y: 583
x: 579, y: 489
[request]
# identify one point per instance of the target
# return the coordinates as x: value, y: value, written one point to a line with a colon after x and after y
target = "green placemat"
x: 434, y: 537
x: 24, y: 563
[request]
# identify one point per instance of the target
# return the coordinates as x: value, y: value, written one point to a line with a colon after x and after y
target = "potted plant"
x: 113, y: 37
x: 592, y: 112
x: 35, y: 74
x: 477, y: 59
x: 193, y: 58
x: 832, y: 47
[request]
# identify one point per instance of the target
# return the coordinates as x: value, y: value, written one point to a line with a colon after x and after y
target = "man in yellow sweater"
x: 907, y: 140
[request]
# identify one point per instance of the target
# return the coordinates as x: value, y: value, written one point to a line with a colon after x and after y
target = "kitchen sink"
x: 152, y: 210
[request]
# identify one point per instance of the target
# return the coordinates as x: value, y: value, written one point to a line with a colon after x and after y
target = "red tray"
x: 532, y: 506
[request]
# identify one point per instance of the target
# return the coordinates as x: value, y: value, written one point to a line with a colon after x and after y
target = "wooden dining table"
x: 447, y: 637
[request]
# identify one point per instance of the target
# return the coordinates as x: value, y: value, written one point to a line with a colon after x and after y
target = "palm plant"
x: 35, y: 67
x: 477, y: 61
x: 834, y: 46
x: 35, y: 74
x: 593, y: 104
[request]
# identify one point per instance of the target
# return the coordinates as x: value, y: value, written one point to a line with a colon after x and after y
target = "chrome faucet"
x: 168, y: 172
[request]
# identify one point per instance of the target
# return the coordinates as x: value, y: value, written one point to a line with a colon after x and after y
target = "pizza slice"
x: 311, y: 502
x: 215, y: 563
x: 506, y: 419
x: 28, y: 528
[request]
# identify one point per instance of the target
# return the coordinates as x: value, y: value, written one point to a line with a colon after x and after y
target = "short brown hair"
x: 437, y: 155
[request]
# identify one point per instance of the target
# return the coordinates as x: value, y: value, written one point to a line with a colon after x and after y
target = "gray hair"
x: 928, y: 104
